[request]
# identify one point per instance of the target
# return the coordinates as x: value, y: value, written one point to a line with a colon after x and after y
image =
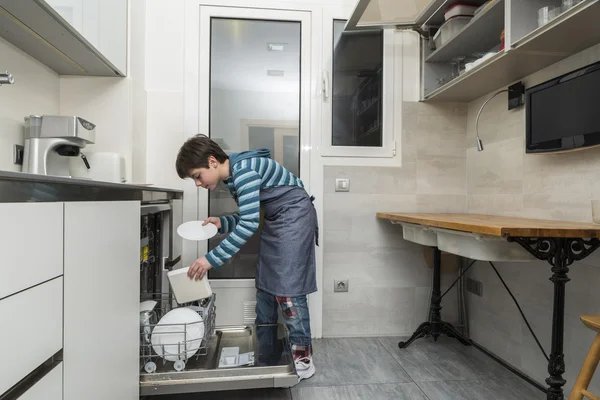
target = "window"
x: 358, y: 93
x: 357, y: 81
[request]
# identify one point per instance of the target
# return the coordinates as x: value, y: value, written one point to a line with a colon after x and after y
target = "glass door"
x: 254, y: 99
x: 256, y: 86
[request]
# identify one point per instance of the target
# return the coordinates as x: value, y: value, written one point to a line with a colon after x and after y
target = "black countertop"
x: 22, y: 187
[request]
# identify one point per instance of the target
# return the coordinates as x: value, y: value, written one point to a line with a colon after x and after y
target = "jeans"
x: 296, y: 317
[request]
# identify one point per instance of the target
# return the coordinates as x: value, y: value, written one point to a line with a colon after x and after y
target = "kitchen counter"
x: 22, y: 187
x: 495, y: 225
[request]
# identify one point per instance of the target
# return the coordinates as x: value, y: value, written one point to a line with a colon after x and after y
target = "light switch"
x: 342, y: 185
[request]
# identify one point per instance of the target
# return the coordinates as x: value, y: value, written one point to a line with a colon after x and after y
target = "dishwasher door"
x: 270, y: 363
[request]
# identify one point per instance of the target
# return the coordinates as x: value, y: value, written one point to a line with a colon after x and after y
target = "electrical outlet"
x: 18, y: 154
x: 475, y: 287
x: 342, y: 185
x: 340, y: 286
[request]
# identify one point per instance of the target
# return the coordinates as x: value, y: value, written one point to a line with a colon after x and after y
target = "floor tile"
x: 251, y: 394
x: 446, y: 359
x: 353, y: 361
x: 395, y: 391
x: 497, y: 389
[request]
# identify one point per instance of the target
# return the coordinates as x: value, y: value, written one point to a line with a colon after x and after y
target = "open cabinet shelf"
x: 568, y: 34
x: 480, y: 34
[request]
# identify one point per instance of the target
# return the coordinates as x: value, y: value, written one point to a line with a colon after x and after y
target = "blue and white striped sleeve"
x: 247, y: 184
x: 228, y: 222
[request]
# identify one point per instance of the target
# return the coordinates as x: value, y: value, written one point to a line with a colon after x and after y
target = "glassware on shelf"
x: 457, y: 66
x: 547, y: 14
x: 568, y: 4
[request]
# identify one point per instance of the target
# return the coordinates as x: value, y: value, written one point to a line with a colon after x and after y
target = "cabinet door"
x: 373, y: 14
x: 103, y: 23
x: 50, y: 387
x: 101, y: 296
x: 31, y: 330
x: 31, y: 244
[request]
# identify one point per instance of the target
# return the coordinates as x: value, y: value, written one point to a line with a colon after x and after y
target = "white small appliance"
x: 105, y: 167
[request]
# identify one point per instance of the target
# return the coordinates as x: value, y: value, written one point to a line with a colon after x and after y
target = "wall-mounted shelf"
x: 568, y: 34
x: 481, y: 34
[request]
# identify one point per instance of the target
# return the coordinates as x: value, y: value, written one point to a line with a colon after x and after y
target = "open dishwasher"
x: 198, y: 356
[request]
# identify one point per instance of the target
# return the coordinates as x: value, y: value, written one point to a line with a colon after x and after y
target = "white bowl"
x: 178, y: 334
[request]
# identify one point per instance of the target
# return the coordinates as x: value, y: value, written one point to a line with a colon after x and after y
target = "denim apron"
x: 286, y: 259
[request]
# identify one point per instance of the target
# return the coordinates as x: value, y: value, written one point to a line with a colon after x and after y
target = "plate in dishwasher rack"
x: 178, y: 334
x: 194, y: 230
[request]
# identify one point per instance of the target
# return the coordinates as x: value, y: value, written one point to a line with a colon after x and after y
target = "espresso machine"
x: 50, y: 140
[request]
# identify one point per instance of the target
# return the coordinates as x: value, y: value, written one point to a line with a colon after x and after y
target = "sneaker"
x: 305, y: 368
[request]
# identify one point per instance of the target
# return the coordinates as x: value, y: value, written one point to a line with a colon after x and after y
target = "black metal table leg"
x: 560, y: 253
x: 435, y: 326
x: 556, y: 364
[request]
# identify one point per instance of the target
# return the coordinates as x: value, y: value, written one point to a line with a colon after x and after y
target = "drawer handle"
x: 34, y: 377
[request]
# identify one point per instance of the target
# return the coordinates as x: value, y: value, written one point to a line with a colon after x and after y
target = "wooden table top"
x: 499, y: 226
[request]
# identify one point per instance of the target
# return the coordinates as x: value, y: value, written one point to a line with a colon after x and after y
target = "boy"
x: 286, y: 271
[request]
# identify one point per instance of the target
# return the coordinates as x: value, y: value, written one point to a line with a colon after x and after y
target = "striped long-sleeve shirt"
x: 250, y: 172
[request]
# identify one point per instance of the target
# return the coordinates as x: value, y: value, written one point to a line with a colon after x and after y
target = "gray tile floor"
x: 375, y: 368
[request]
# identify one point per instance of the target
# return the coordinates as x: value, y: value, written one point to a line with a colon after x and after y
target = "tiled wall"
x: 503, y: 180
x: 390, y: 282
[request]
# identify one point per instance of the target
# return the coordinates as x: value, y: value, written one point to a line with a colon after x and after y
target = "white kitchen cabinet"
x: 31, y: 244
x: 50, y: 387
x: 103, y: 23
x: 101, y: 296
x: 32, y: 330
x: 72, y: 37
x: 528, y: 46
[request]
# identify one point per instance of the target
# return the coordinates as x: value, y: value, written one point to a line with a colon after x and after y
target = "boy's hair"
x: 195, y: 153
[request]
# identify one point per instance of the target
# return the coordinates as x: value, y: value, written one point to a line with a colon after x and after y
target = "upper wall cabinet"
x: 72, y: 37
x: 470, y: 51
x: 370, y: 14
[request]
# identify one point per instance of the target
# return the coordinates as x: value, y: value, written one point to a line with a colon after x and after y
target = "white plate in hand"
x: 193, y: 230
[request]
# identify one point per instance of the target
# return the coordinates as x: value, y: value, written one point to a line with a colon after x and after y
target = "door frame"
x: 197, y: 111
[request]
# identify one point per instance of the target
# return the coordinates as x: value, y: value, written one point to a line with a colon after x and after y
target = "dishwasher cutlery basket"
x: 175, y: 352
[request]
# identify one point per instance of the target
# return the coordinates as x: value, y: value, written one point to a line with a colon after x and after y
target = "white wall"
x: 105, y: 102
x: 137, y: 70
x: 35, y: 91
x: 163, y: 85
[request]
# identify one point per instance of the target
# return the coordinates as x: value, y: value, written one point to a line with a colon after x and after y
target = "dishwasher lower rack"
x: 272, y: 365
x: 173, y: 345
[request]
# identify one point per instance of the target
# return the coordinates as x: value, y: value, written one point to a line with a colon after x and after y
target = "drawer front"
x: 31, y: 330
x: 50, y: 387
x: 31, y: 244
